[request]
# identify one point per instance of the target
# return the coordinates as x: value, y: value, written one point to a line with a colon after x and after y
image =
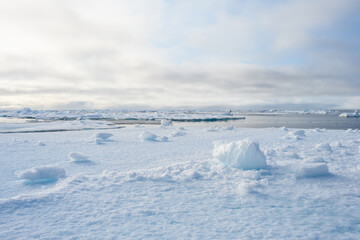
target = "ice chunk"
x: 309, y: 170
x: 78, y: 157
x: 103, y: 136
x: 165, y: 123
x: 243, y: 154
x: 40, y: 143
x: 42, y: 173
x: 148, y: 136
x: 323, y: 147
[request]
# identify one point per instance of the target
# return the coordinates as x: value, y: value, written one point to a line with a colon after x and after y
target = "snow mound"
x: 148, y: 136
x: 177, y: 134
x: 243, y: 154
x: 78, y: 157
x: 42, y: 173
x: 310, y: 170
x: 323, y: 147
x: 300, y: 133
x: 103, y: 136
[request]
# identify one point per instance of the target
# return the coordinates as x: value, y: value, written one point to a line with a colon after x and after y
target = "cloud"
x: 111, y: 53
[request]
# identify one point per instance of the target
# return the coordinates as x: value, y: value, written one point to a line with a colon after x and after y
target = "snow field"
x: 186, y: 188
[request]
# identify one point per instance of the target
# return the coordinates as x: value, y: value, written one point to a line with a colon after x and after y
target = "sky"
x: 87, y: 54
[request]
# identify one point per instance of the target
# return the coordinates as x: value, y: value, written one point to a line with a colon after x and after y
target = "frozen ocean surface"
x: 202, y: 182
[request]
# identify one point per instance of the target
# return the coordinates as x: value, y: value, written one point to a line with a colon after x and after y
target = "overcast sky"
x: 58, y: 54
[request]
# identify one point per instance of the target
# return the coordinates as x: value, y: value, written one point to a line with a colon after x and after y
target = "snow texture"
x: 178, y: 189
x: 243, y: 154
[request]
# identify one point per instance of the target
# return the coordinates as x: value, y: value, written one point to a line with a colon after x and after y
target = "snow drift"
x: 244, y: 154
x: 42, y: 173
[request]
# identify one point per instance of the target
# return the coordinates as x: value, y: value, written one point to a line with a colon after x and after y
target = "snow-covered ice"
x: 252, y: 184
x: 243, y: 154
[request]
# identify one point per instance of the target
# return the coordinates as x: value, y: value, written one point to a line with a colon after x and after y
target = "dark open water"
x: 328, y: 121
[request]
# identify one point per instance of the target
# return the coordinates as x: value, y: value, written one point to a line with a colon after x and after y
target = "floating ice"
x: 243, y: 154
x: 348, y: 115
x: 148, y: 136
x: 42, y: 173
x: 78, y: 157
x: 165, y: 123
x: 323, y: 147
x: 103, y: 136
x: 309, y: 170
